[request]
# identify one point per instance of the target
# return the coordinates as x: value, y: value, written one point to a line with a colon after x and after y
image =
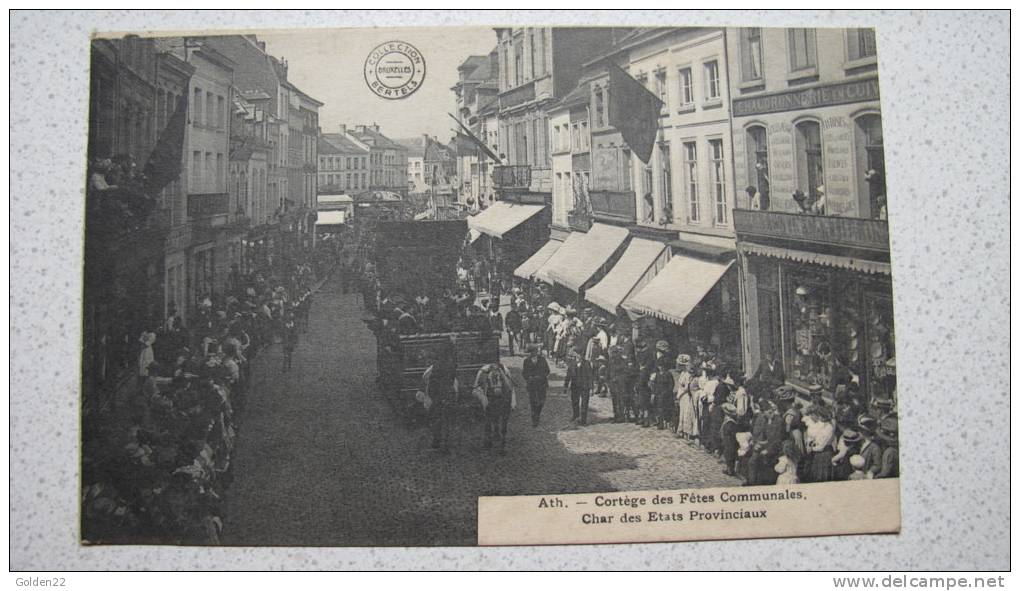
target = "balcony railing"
x: 204, y: 205
x: 517, y: 96
x: 613, y: 205
x: 514, y: 176
x: 856, y: 233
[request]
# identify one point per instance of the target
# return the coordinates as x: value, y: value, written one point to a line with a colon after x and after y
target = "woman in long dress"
x: 687, y: 419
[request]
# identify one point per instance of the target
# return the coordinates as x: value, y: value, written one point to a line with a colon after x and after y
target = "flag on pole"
x: 475, y: 140
x: 634, y: 110
x: 164, y: 164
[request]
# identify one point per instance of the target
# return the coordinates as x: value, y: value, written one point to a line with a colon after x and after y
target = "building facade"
x: 476, y: 90
x: 387, y: 162
x: 344, y: 163
x: 813, y: 247
x: 135, y: 90
x: 206, y: 240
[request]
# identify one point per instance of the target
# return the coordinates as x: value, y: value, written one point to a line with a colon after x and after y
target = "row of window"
x: 524, y: 58
x: 801, y: 48
x: 810, y: 164
x: 526, y: 141
x: 344, y: 163
x: 347, y: 181
x: 208, y: 110
x: 658, y: 203
x: 573, y: 136
x: 208, y: 172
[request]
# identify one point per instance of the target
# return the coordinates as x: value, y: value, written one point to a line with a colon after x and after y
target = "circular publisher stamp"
x: 394, y: 70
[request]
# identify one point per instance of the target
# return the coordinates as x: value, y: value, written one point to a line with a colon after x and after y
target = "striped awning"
x: 677, y: 289
x: 640, y: 262
x: 502, y: 217
x: 828, y: 260
x: 580, y: 258
x: 534, y: 263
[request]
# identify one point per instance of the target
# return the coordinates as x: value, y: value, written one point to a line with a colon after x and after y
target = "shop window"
x: 810, y: 167
x: 811, y: 329
x: 861, y: 44
x: 881, y: 347
x: 802, y: 49
x: 750, y: 54
x: 691, y: 180
x: 871, y: 165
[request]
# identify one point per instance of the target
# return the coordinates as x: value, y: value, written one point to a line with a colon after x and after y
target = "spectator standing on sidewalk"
x: 514, y: 324
x: 578, y: 382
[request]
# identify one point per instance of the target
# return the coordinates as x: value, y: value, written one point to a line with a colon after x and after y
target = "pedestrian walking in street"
x: 442, y: 388
x: 536, y: 378
x: 578, y: 383
x: 290, y: 339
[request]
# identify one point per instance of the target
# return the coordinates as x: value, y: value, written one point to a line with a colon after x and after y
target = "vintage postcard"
x: 486, y: 286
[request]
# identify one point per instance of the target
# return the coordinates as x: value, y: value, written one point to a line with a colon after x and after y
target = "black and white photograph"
x: 341, y: 283
x: 702, y: 292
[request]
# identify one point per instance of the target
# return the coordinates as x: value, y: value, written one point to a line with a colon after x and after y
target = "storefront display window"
x: 881, y: 350
x: 811, y: 328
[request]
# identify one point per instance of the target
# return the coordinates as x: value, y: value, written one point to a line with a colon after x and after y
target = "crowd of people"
x: 157, y: 461
x: 761, y: 429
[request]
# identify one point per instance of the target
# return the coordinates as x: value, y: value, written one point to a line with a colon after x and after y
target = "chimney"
x: 375, y: 127
x: 343, y: 129
x: 360, y: 128
x: 262, y: 46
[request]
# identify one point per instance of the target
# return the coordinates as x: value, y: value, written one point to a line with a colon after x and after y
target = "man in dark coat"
x: 514, y: 323
x: 621, y: 382
x: 767, y: 436
x: 645, y: 358
x: 536, y: 378
x: 578, y: 382
x: 770, y: 375
x: 728, y: 438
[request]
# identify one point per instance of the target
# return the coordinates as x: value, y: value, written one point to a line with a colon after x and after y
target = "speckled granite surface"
x: 945, y: 98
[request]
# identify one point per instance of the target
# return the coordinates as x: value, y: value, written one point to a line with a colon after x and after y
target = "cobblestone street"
x: 323, y: 460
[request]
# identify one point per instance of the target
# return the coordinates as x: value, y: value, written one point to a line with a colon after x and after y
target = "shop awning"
x: 677, y: 289
x: 829, y: 260
x: 501, y: 217
x: 331, y: 218
x: 473, y: 235
x: 577, y: 261
x: 542, y: 273
x: 639, y: 263
x: 534, y: 263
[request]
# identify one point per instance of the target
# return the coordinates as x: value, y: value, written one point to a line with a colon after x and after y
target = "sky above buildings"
x: 328, y: 65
